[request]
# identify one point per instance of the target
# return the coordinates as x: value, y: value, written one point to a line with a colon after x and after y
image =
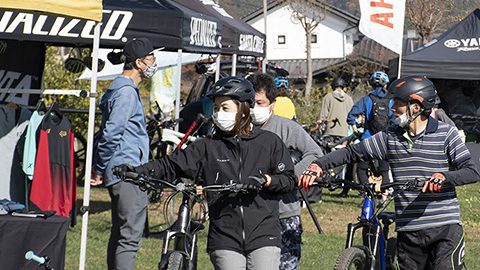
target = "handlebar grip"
x: 117, y: 170
x: 32, y: 257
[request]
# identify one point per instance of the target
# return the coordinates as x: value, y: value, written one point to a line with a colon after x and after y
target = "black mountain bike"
x: 378, y: 249
x: 179, y: 250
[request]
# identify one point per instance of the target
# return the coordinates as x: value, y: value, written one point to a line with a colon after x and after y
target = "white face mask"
x: 150, y: 70
x: 403, y: 120
x: 260, y: 114
x: 224, y: 120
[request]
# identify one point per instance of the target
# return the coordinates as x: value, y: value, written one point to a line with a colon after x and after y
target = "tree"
x: 308, y: 13
x: 426, y: 16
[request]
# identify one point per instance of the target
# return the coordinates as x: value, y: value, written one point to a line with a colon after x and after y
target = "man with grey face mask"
x: 297, y: 140
x: 123, y: 140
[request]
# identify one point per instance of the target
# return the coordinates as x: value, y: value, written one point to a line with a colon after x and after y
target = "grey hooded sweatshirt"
x: 335, y: 108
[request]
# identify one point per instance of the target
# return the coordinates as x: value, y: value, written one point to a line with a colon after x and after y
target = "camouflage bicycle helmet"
x: 415, y: 88
x: 235, y: 87
x: 378, y: 78
x: 281, y: 81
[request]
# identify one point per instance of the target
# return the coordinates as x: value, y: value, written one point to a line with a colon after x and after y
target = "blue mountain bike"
x: 378, y: 250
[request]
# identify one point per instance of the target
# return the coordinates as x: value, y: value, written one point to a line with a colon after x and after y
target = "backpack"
x: 380, y: 113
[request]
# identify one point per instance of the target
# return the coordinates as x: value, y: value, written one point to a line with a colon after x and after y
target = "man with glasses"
x: 124, y: 140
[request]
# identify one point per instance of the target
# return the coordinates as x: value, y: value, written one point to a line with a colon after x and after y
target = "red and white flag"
x: 382, y: 21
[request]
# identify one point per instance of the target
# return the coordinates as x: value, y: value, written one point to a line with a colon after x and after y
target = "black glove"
x: 257, y: 181
x: 121, y: 170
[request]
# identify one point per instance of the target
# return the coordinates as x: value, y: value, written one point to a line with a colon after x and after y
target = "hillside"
x: 240, y: 8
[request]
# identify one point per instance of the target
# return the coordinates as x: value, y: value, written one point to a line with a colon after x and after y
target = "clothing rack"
x: 78, y: 93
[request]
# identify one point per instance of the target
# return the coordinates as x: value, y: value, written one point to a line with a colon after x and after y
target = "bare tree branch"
x: 309, y: 14
x: 426, y: 16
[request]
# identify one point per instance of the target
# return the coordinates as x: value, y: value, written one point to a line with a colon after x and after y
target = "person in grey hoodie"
x: 296, y: 139
x: 124, y: 139
x: 335, y: 108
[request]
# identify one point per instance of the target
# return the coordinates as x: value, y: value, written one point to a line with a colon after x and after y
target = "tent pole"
x: 88, y: 162
x: 178, y: 84
x: 234, y: 64
x: 217, y: 64
x: 399, y: 74
x: 265, y: 11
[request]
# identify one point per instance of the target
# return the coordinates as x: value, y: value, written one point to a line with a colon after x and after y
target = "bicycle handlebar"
x: 404, y: 185
x: 151, y: 183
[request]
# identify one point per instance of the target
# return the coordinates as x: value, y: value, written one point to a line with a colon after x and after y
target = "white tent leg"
x: 217, y: 67
x: 234, y: 64
x: 178, y: 80
x: 88, y: 161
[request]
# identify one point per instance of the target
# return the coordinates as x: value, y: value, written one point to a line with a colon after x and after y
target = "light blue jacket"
x: 124, y: 138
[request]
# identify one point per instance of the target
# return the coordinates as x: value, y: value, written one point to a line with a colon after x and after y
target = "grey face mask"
x: 150, y: 70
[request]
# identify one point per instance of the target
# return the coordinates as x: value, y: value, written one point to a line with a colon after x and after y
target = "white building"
x: 332, y: 40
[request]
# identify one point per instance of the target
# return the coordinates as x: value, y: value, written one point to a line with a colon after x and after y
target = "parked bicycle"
x: 378, y: 249
x: 182, y: 254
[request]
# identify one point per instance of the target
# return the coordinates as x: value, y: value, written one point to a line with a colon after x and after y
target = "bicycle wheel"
x: 351, y: 258
x: 175, y: 261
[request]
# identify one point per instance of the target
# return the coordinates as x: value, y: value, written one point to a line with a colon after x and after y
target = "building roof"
x: 367, y: 50
x: 332, y: 9
x: 297, y: 68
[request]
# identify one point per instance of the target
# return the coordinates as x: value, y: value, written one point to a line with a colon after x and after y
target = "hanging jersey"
x: 13, y: 123
x: 30, y: 148
x: 53, y: 184
x: 284, y: 107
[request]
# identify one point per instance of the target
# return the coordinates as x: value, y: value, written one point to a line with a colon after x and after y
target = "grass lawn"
x: 318, y: 251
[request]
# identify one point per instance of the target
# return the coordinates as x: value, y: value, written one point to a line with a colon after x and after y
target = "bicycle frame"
x: 372, y: 230
x: 183, y: 234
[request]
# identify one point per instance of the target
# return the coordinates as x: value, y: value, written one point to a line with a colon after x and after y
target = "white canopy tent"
x: 164, y: 60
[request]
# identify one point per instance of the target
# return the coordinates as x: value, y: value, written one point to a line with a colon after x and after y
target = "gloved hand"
x: 122, y: 169
x: 257, y: 181
x: 311, y: 174
x: 434, y: 184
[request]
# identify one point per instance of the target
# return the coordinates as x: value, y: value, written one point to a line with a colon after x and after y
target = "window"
x: 314, y: 38
x: 281, y: 39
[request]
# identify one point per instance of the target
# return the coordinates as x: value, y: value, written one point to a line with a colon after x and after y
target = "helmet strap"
x: 411, y: 117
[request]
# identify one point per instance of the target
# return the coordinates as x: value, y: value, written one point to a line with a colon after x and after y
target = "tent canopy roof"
x: 453, y: 55
x: 166, y: 23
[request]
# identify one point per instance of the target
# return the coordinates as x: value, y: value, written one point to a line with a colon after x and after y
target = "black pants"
x: 440, y: 248
x: 381, y: 169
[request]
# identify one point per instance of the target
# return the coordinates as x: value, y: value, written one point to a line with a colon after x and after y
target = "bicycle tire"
x: 175, y: 261
x: 391, y: 254
x: 353, y: 256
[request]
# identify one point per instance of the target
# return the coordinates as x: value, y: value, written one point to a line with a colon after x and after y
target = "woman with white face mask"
x: 244, y: 232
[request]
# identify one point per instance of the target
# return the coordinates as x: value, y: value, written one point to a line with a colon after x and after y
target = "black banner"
x: 21, y: 67
x: 165, y: 24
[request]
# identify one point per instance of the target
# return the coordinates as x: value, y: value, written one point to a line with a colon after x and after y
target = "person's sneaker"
x: 343, y: 195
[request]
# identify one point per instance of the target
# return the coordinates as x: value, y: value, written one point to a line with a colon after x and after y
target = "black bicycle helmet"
x: 235, y: 87
x: 415, y: 88
x: 338, y: 82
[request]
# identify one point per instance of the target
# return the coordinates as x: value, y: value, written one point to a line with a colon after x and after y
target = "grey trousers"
x: 265, y: 258
x: 129, y: 210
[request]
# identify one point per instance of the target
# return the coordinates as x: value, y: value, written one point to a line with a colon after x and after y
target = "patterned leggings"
x: 291, y: 242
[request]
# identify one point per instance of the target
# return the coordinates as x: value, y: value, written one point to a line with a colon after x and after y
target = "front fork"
x: 373, y: 241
